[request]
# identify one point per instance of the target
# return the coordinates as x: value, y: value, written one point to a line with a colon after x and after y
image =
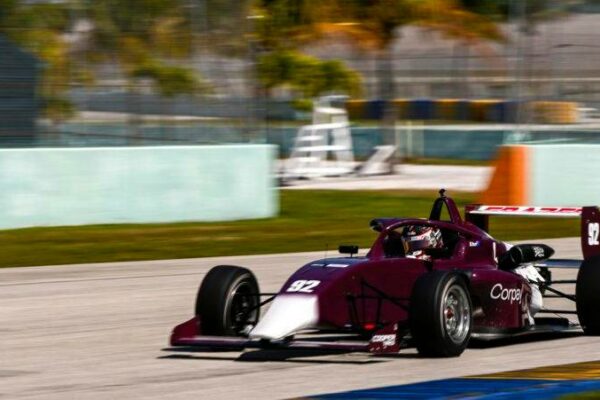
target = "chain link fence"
x: 76, y: 92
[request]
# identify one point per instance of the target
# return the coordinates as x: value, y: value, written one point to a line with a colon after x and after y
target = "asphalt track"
x: 98, y: 332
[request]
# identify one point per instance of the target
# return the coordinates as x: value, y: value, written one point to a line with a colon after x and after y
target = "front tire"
x: 587, y: 294
x: 441, y: 314
x: 228, y: 301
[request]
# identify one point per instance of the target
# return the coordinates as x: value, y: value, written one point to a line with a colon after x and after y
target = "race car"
x: 464, y: 286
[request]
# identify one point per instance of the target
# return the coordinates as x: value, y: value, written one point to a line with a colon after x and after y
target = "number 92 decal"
x: 303, y: 286
x: 593, y: 232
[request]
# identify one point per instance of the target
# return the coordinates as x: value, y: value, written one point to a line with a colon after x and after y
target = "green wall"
x: 80, y: 186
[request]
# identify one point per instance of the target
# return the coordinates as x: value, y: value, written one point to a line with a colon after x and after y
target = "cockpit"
x: 397, y: 243
x: 435, y: 238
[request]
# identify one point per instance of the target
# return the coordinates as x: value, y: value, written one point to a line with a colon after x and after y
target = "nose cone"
x: 288, y: 314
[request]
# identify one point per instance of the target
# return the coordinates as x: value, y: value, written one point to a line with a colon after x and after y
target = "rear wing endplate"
x: 478, y: 215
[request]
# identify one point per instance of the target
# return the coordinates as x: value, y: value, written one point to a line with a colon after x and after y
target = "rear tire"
x: 587, y: 293
x: 441, y: 314
x: 228, y: 302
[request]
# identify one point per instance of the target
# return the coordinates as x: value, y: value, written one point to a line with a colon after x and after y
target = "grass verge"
x: 309, y: 220
x: 595, y: 395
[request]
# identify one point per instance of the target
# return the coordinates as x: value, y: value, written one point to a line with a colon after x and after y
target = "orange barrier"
x: 509, y: 184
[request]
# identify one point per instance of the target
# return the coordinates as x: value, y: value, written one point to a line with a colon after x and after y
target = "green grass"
x: 595, y: 395
x: 309, y: 220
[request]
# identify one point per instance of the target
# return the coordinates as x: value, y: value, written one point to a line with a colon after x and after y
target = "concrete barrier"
x: 546, y: 175
x: 52, y: 187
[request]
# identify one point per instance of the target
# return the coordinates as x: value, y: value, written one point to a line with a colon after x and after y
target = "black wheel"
x: 440, y: 314
x: 587, y: 293
x: 228, y: 301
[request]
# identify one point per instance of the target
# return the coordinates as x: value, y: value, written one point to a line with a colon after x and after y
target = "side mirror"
x: 348, y: 249
x: 524, y: 254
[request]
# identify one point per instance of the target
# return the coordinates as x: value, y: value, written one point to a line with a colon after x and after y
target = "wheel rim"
x: 243, y: 312
x: 456, y: 314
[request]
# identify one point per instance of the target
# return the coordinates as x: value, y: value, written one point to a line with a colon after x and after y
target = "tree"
x: 489, y: 8
x: 371, y: 24
x: 169, y: 80
x: 280, y: 29
x: 378, y: 23
x: 308, y: 75
x: 38, y: 28
x: 140, y: 35
x: 532, y: 10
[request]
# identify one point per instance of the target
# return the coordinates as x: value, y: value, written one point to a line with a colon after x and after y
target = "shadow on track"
x: 530, y: 338
x: 262, y: 355
x: 301, y: 355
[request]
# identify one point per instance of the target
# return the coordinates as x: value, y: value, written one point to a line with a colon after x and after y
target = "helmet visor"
x: 415, y: 245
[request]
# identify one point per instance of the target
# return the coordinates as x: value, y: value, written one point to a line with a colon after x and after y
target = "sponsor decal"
x: 538, y: 252
x: 474, y: 243
x: 337, y: 265
x: 567, y: 211
x: 385, y: 340
x: 332, y: 265
x: 499, y: 292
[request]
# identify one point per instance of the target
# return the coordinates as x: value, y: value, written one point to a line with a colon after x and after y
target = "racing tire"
x: 587, y: 295
x: 440, y: 314
x: 228, y: 301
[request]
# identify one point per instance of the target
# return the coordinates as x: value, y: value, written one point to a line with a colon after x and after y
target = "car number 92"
x: 593, y: 233
x: 303, y: 286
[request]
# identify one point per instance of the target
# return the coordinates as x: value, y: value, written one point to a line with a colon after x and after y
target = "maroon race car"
x: 465, y: 289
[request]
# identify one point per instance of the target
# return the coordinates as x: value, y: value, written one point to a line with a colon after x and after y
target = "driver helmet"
x: 417, y: 238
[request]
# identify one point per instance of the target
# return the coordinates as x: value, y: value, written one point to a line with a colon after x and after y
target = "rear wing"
x: 478, y: 215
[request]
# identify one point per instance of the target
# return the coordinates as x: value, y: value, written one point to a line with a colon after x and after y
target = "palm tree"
x: 376, y: 24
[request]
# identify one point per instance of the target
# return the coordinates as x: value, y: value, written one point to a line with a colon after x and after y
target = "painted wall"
x: 80, y: 186
x: 565, y: 175
x: 545, y: 175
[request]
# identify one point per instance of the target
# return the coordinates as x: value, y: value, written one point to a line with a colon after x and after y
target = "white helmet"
x: 417, y: 238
